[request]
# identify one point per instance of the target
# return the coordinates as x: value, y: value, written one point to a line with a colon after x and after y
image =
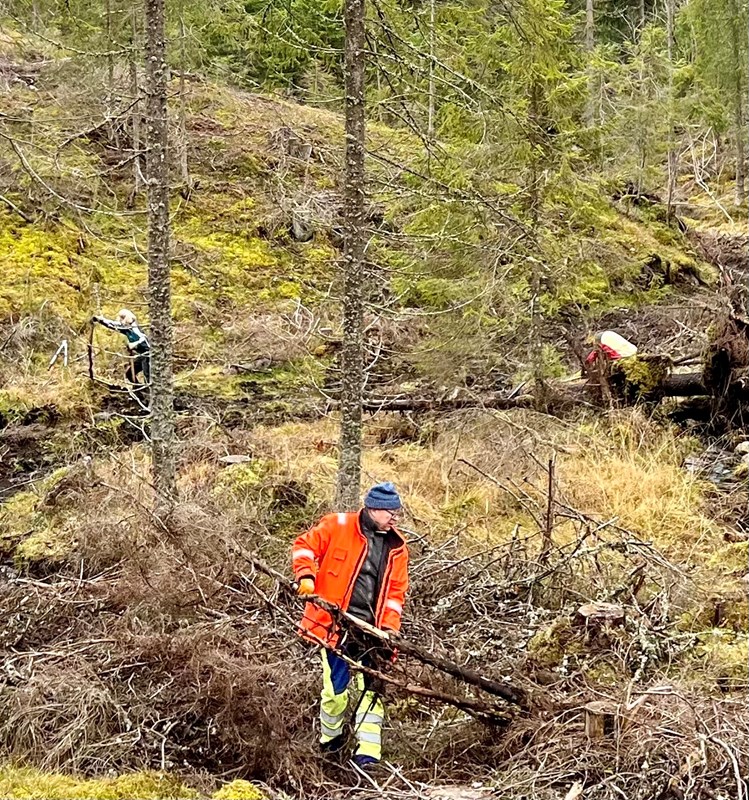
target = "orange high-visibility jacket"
x: 333, y: 553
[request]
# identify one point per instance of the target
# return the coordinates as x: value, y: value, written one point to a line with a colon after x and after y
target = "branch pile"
x: 181, y: 653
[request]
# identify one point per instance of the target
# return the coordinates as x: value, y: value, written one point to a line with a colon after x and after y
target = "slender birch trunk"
x: 590, y: 43
x: 738, y: 110
x: 672, y: 156
x: 432, y: 101
x: 183, y: 164
x: 136, y: 112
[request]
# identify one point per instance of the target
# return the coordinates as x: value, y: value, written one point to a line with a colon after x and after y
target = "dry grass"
x: 632, y: 469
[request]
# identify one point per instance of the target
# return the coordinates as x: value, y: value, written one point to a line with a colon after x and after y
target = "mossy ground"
x: 20, y: 783
x: 233, y: 256
x: 26, y: 783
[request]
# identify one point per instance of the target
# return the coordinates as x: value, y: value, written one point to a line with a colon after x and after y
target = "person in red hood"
x: 359, y: 562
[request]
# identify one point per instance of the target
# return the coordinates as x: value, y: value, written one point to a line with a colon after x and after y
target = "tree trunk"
x: 135, y: 116
x: 738, y: 112
x: 110, y: 68
x: 740, y: 165
x: 670, y: 13
x: 159, y: 284
x: 430, y: 112
x: 183, y: 165
x: 535, y: 354
x: 352, y: 358
x: 590, y: 43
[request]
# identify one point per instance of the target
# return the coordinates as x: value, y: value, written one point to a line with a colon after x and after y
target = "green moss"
x: 642, y: 375
x: 604, y: 672
x: 723, y: 656
x: 56, y: 268
x: 18, y: 518
x: 238, y: 481
x: 27, y: 532
x: 725, y: 607
x: 209, y: 381
x: 586, y: 287
x: 49, y: 483
x: 12, y: 407
x: 549, y: 646
x: 238, y: 790
x: 732, y: 559
x: 105, y: 432
x: 286, y: 380
x: 37, y: 268
x: 550, y: 363
x: 281, y: 290
x: 434, y: 293
x: 437, y: 293
x: 49, y: 544
x: 21, y: 783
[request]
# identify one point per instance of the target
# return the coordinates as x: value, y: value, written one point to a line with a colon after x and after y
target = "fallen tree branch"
x: 492, y: 400
x: 507, y: 692
x: 680, y: 385
x: 472, y: 706
x: 13, y: 207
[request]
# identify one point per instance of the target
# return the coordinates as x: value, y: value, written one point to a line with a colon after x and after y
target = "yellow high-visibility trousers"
x: 368, y: 716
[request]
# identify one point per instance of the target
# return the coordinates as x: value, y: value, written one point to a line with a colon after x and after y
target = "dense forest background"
x: 499, y: 133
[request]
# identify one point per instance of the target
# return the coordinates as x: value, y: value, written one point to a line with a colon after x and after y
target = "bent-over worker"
x: 357, y: 561
x: 612, y: 346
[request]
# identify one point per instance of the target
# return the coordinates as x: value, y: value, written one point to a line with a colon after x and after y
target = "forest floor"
x: 145, y: 662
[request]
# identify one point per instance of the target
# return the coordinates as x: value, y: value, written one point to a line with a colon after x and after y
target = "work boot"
x: 372, y: 766
x: 334, y: 745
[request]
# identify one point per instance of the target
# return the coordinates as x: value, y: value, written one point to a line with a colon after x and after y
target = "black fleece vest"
x: 366, y: 593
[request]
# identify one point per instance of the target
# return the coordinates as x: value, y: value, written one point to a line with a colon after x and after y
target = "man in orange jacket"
x: 359, y: 562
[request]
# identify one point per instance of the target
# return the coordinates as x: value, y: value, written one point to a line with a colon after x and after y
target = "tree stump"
x: 601, y: 720
x: 600, y: 614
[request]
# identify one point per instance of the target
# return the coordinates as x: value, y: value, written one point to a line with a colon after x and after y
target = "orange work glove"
x: 305, y: 587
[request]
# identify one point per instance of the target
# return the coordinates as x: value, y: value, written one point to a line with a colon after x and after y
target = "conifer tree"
x: 159, y: 282
x: 720, y: 32
x: 352, y: 357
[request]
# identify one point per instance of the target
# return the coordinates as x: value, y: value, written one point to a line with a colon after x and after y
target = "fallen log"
x: 450, y: 403
x: 689, y: 384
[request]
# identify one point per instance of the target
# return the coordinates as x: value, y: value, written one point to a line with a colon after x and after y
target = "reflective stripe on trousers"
x: 334, y: 698
x: 369, y: 714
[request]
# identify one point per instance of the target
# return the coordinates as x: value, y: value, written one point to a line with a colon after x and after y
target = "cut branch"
x: 509, y: 693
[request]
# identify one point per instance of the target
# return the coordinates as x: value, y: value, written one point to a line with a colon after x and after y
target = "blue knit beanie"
x: 383, y: 495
